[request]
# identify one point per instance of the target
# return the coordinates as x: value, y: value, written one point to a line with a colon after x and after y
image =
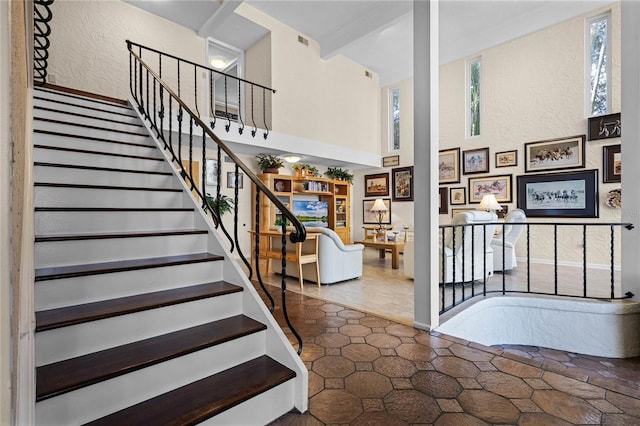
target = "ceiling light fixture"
x: 291, y: 158
x: 219, y: 63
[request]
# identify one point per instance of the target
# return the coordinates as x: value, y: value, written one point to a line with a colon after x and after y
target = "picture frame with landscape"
x: 612, y: 167
x: 554, y: 154
x: 449, y: 166
x: 567, y: 194
x: 498, y: 185
x: 475, y: 161
x: 376, y: 185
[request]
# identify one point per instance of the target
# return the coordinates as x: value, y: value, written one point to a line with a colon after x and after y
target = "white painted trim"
x: 603, y: 266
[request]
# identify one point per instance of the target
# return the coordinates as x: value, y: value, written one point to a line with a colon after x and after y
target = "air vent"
x: 303, y: 40
x: 368, y: 74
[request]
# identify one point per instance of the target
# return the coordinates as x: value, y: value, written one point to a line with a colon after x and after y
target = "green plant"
x: 308, y: 167
x: 280, y: 220
x: 269, y: 161
x: 222, y: 204
x: 338, y: 173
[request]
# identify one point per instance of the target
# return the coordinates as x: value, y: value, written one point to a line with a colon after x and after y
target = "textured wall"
x: 533, y: 89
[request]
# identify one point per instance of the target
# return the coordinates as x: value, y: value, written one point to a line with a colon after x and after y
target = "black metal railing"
x: 41, y: 30
x: 167, y: 113
x: 560, y: 267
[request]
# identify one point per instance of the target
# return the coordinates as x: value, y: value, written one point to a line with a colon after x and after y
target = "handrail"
x: 41, y: 31
x: 458, y: 289
x: 141, y: 96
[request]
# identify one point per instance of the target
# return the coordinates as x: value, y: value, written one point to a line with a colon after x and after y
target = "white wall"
x: 533, y: 89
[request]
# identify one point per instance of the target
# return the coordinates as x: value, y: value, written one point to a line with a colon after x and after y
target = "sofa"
x: 337, y: 261
x: 506, y: 241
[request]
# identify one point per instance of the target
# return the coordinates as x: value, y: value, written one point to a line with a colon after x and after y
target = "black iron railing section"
x: 41, y: 31
x: 180, y: 128
x: 577, y: 260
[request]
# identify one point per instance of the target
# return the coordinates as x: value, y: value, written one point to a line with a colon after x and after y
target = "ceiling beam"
x: 226, y: 9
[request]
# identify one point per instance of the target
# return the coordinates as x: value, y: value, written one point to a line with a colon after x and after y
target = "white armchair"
x: 508, y: 237
x: 473, y: 261
x: 337, y: 262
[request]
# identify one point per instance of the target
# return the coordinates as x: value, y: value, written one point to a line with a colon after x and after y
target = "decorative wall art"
x: 376, y: 185
x: 458, y: 196
x: 449, y: 166
x: 392, y: 160
x: 234, y: 180
x: 369, y: 217
x: 507, y: 158
x: 569, y: 194
x: 475, y: 161
x: 612, y: 167
x: 211, y: 169
x: 500, y: 186
x: 443, y: 202
x: 554, y: 154
x: 605, y: 126
x: 402, y: 184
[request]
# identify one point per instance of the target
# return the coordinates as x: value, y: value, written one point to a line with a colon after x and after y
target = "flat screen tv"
x: 312, y: 213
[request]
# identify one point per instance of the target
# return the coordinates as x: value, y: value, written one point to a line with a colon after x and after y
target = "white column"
x: 426, y: 143
x: 631, y: 146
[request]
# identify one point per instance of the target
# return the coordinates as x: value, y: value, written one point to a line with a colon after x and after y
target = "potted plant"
x: 222, y: 204
x: 269, y: 163
x: 340, y: 174
x: 305, y: 170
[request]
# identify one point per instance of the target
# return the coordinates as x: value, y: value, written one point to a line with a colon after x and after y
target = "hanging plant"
x: 340, y: 174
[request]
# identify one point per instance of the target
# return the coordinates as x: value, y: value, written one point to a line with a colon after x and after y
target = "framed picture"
x: 500, y: 186
x: 612, y: 167
x: 390, y: 161
x: 443, y: 202
x: 460, y: 210
x: 569, y: 194
x: 402, y: 184
x: 605, y: 126
x: 211, y: 170
x: 449, y: 166
x: 372, y: 218
x: 554, y: 154
x: 475, y: 161
x: 234, y: 180
x: 507, y: 158
x: 376, y: 185
x: 458, y: 196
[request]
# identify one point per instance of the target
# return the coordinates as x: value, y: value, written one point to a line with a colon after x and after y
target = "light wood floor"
x: 388, y: 293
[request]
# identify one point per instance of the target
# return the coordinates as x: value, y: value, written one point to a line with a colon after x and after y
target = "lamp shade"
x: 379, y: 206
x: 489, y: 203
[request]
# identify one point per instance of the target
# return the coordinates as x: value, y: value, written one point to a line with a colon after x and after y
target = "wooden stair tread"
x: 205, y: 398
x: 100, y: 169
x: 60, y: 272
x: 87, y: 186
x: 83, y: 95
x: 77, y: 114
x: 108, y: 235
x: 125, y: 113
x: 78, y: 314
x: 88, y: 126
x: 87, y: 151
x: 71, y: 374
x: 94, y: 138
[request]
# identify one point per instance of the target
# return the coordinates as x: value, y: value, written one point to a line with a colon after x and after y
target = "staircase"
x: 142, y: 316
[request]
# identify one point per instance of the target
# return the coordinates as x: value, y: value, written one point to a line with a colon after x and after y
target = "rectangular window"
x: 394, y: 116
x: 473, y: 97
x: 598, y: 42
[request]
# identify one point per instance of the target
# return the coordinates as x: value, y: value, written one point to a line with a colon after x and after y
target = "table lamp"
x: 380, y: 209
x: 489, y: 203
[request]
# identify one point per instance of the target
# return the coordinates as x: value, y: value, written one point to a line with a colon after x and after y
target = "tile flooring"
x: 368, y: 366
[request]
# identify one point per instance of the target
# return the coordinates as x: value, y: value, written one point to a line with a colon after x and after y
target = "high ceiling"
x: 375, y: 33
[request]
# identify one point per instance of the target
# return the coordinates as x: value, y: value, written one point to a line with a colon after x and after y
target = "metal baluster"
x: 284, y: 286
x: 528, y: 258
x: 555, y: 259
x: 203, y: 182
x: 453, y: 261
x: 255, y: 126
x: 195, y: 90
x: 584, y: 260
x: 226, y: 107
x: 613, y: 295
x: 191, y: 152
x: 241, y: 126
x: 443, y: 266
x: 264, y: 112
x: 212, y: 105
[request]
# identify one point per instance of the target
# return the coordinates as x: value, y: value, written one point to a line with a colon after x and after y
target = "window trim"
x: 470, y: 63
x: 390, y: 146
x: 587, y: 61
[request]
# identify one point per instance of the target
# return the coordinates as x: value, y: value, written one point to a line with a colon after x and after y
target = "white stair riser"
x: 47, y: 196
x: 45, y: 155
x: 99, y: 177
x: 124, y: 115
x: 108, y: 106
x: 51, y: 294
x: 77, y: 252
x: 113, y: 121
x: 80, y: 406
x: 68, y: 222
x: 69, y: 342
x: 261, y: 409
x: 89, y: 132
x: 58, y: 141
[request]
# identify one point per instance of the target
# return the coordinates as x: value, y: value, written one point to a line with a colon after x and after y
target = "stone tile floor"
x: 367, y: 370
